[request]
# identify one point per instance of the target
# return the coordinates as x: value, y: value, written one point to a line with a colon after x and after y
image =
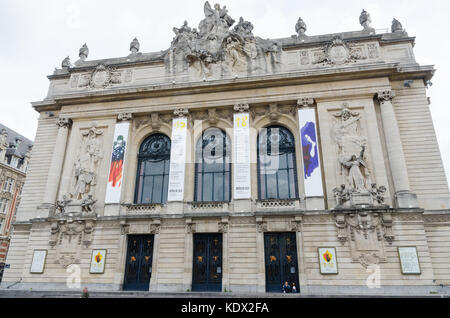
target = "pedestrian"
x: 85, y: 293
x: 286, y: 287
x: 294, y: 288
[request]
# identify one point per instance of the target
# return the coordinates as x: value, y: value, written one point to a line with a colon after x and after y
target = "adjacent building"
x: 228, y: 162
x: 15, y: 151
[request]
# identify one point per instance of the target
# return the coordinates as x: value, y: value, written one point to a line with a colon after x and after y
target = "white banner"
x: 117, y: 163
x: 241, y: 151
x: 310, y: 152
x: 177, y: 159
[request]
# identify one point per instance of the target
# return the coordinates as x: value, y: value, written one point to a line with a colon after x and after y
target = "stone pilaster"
x: 56, y: 165
x: 397, y: 163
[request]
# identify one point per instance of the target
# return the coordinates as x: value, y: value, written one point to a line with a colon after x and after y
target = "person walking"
x: 286, y: 287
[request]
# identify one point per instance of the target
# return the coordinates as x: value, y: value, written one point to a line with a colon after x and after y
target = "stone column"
x: 397, y: 163
x: 56, y: 165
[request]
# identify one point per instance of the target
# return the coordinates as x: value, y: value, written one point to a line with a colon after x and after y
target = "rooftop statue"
x: 365, y: 21
x: 216, y: 21
x: 83, y: 52
x: 134, y: 46
x: 66, y: 63
x: 300, y: 27
x: 396, y: 26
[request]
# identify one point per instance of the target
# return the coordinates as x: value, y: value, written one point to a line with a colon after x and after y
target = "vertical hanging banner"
x: 310, y: 151
x: 115, y: 177
x: 241, y: 156
x: 177, y: 159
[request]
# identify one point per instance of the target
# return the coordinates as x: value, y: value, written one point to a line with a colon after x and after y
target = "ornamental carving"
x: 101, y: 77
x: 339, y: 52
x: 63, y: 122
x: 366, y: 234
x: 69, y: 237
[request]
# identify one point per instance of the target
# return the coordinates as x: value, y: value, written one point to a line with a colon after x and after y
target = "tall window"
x: 152, y: 178
x: 8, y: 185
x: 212, y: 166
x: 277, y: 172
x: 4, y: 205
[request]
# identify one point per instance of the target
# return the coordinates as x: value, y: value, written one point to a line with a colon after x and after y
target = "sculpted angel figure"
x: 217, y: 20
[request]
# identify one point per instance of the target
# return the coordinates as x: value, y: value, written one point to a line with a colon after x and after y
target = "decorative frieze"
x: 241, y: 108
x: 181, y: 112
x: 305, y: 102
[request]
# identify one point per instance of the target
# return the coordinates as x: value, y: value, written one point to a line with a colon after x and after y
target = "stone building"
x: 228, y: 162
x: 15, y: 151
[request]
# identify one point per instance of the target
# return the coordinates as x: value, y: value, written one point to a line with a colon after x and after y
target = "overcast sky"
x: 36, y: 35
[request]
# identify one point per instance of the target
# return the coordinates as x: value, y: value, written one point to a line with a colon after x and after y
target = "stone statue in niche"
x: 86, y: 164
x: 357, y: 188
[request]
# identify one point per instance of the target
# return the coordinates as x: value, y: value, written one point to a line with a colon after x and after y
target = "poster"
x: 115, y: 175
x: 98, y: 262
x: 241, y: 156
x: 38, y: 262
x: 177, y: 159
x: 310, y: 153
x: 409, y: 260
x: 328, y: 260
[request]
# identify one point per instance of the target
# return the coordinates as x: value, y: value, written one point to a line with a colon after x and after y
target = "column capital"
x: 124, y: 116
x: 241, y: 107
x: 181, y: 112
x: 63, y: 122
x: 305, y: 102
x: 385, y: 96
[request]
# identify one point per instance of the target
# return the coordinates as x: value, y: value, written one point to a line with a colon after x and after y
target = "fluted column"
x: 397, y: 163
x: 54, y: 173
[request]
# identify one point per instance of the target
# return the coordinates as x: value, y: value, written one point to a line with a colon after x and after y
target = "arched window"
x: 212, y: 166
x: 277, y: 171
x: 152, y: 178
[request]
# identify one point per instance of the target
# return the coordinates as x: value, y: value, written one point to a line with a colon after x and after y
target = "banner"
x: 177, y: 159
x: 310, y: 151
x: 115, y: 176
x: 241, y: 157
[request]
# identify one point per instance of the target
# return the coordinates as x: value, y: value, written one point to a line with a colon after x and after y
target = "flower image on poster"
x: 328, y: 260
x: 98, y: 262
x: 38, y: 262
x: 115, y: 175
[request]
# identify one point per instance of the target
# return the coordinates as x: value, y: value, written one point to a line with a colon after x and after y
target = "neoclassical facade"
x: 229, y: 162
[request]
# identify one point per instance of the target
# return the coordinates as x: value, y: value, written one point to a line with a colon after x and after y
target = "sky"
x: 35, y: 36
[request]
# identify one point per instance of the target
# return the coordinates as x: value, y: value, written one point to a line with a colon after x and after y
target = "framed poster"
x: 98, y: 262
x: 328, y: 260
x: 38, y: 261
x: 177, y: 159
x: 241, y: 153
x: 409, y: 260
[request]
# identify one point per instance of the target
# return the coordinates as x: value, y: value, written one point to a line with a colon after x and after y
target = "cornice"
x: 392, y: 70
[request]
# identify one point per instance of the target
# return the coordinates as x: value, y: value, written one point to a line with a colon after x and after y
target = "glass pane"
x: 165, y: 188
x: 282, y: 161
x: 157, y: 189
x: 218, y: 187
x: 154, y: 168
x: 207, y: 187
x: 283, y: 188
x: 271, y: 186
x: 199, y: 182
x: 227, y: 187
x: 139, y: 185
x: 147, y: 190
x: 292, y: 183
x: 166, y: 166
x: 290, y: 158
x: 216, y: 166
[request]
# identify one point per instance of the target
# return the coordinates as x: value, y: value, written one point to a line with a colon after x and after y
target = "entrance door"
x: 207, y: 267
x: 138, y: 268
x: 280, y: 250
